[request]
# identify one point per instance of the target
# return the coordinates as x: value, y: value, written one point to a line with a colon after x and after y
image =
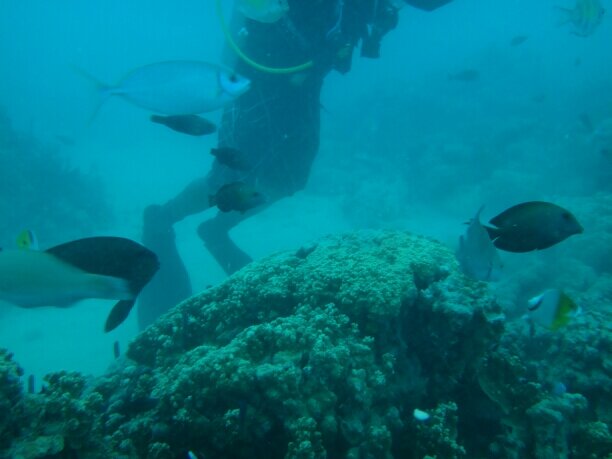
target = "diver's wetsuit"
x: 275, y: 124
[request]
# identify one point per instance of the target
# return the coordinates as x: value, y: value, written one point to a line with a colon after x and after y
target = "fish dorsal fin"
x: 477, y: 216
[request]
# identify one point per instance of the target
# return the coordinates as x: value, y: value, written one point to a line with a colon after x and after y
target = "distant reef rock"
x: 322, y: 352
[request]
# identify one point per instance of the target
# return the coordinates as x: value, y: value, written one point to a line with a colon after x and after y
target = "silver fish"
x: 176, y: 87
x: 477, y: 255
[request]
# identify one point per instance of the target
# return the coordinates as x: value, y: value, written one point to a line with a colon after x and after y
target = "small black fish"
x: 237, y: 196
x: 186, y: 124
x: 465, y: 75
x: 518, y: 40
x: 533, y: 225
x: 232, y: 158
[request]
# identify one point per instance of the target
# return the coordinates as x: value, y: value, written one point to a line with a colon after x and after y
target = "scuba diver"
x: 275, y: 125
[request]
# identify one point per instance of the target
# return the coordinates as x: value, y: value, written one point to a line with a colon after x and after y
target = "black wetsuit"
x: 276, y: 124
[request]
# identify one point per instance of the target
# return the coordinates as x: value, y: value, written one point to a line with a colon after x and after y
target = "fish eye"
x: 233, y: 78
x: 566, y: 216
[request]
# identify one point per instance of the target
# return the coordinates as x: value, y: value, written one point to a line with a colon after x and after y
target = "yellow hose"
x: 247, y: 59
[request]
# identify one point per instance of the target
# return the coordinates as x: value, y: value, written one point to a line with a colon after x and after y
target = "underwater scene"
x: 306, y: 229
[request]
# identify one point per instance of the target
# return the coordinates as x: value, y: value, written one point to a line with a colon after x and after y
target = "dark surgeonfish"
x: 533, y: 225
x: 232, y: 158
x: 98, y: 267
x: 238, y: 196
x: 477, y: 255
x: 186, y: 124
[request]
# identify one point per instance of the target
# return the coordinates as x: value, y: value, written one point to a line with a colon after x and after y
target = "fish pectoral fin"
x: 118, y: 314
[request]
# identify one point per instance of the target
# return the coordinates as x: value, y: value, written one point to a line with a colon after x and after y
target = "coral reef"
x: 325, y: 353
x: 11, y: 398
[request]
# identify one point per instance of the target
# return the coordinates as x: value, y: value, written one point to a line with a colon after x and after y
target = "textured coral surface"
x: 325, y: 352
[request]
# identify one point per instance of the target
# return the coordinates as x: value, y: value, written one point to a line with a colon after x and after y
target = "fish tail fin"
x: 103, y: 91
x: 110, y: 288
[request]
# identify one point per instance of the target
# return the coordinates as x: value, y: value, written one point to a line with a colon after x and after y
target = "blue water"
x: 402, y: 145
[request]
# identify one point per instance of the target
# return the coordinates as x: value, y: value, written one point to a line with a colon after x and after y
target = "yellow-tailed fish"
x: 585, y: 16
x: 100, y: 267
x: 27, y: 240
x: 267, y: 11
x: 552, y: 309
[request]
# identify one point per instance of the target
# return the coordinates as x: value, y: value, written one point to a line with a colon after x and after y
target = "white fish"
x: 29, y: 278
x: 420, y: 415
x: 267, y: 11
x: 552, y: 309
x: 176, y: 87
x: 477, y: 255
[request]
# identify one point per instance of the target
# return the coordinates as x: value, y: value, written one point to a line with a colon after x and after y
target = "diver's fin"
x: 118, y: 314
x: 103, y: 90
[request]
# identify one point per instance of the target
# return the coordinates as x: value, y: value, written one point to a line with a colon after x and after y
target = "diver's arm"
x: 427, y: 5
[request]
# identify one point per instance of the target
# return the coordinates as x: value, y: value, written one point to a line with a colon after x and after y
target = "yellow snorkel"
x: 247, y: 59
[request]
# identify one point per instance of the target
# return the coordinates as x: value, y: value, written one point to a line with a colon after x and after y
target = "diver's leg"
x: 171, y: 283
x: 215, y: 234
